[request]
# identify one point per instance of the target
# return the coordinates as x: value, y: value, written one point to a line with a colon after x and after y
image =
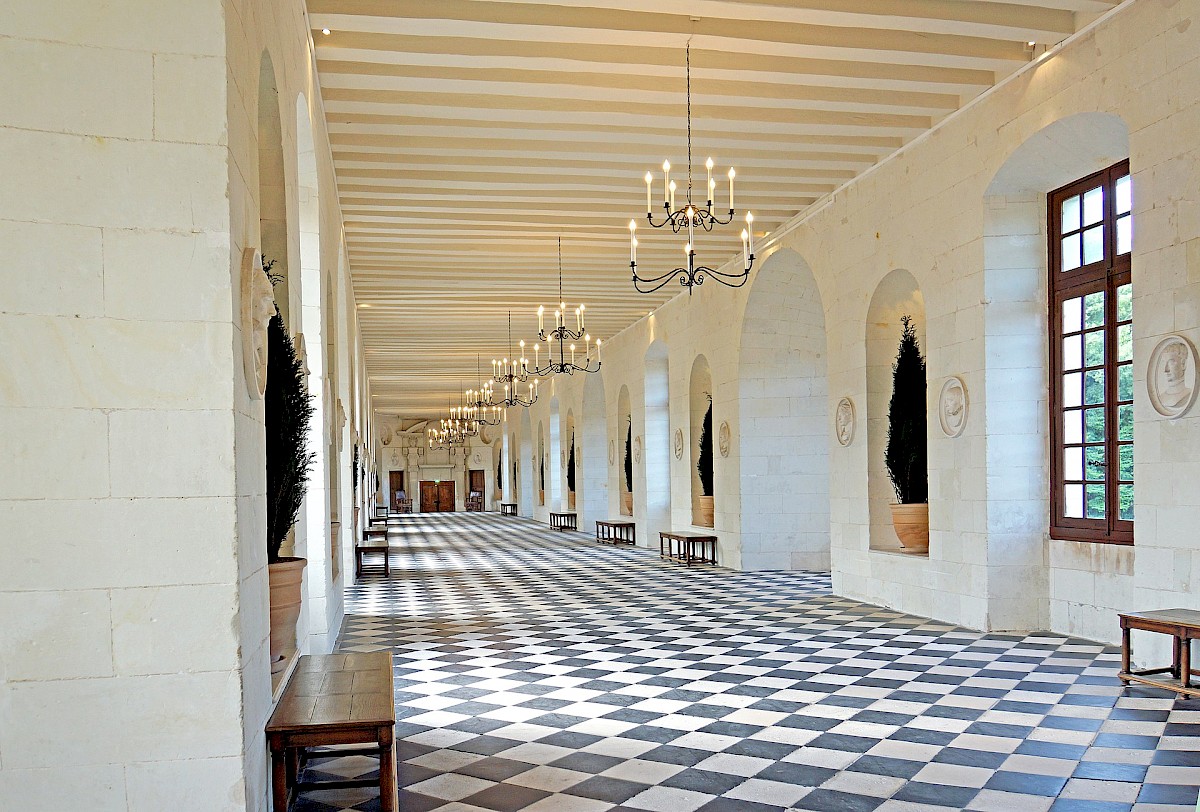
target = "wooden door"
x: 437, y: 497
x: 396, y: 483
x: 476, y: 482
x: 446, y: 496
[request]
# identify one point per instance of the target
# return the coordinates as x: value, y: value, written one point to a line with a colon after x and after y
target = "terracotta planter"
x: 912, y: 526
x: 285, y: 577
x: 541, y: 497
x: 571, y: 500
x: 706, y: 512
x: 627, y: 504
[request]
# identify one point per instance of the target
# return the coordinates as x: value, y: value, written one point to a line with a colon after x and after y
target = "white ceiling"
x: 468, y: 135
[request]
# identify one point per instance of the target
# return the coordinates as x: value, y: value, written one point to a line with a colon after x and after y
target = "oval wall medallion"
x: 485, y: 434
x: 612, y: 452
x: 724, y: 438
x: 1171, y: 377
x: 678, y: 444
x: 843, y: 422
x: 637, y: 448
x: 952, y: 407
x: 477, y: 459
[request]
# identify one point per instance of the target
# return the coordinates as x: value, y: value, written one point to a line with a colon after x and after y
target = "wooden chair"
x: 475, y: 502
x: 404, y: 506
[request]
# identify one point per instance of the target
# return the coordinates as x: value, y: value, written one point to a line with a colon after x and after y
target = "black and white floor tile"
x: 546, y: 672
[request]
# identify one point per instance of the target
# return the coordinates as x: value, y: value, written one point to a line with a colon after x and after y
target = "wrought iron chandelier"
x: 561, y: 351
x: 479, y: 405
x: 453, y: 430
x: 509, y: 374
x: 691, y: 217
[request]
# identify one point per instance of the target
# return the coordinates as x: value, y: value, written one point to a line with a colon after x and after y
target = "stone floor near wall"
x: 546, y: 672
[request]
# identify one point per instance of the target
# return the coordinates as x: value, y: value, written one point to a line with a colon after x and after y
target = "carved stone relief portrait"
x: 612, y: 452
x: 843, y: 421
x: 258, y: 306
x: 637, y: 448
x: 724, y: 438
x: 952, y: 407
x: 678, y: 444
x: 1171, y: 378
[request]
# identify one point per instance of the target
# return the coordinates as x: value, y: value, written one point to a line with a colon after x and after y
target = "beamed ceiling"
x: 469, y: 134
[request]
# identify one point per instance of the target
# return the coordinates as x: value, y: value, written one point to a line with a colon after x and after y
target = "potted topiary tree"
x: 571, y: 475
x: 499, y: 474
x: 704, y: 467
x: 288, y: 411
x: 907, y: 452
x: 627, y: 493
x: 541, y: 479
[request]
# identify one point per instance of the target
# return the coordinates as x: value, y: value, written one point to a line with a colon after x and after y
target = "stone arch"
x: 783, y: 439
x: 591, y: 453
x: 700, y: 391
x: 272, y: 188
x: 656, y: 465
x: 896, y: 295
x: 624, y: 440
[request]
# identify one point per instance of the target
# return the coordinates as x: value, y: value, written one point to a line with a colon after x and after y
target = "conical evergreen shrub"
x: 288, y: 411
x: 907, y: 451
x: 704, y: 463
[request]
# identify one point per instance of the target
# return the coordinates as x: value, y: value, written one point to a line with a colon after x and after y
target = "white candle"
x: 690, y: 214
x: 537, y: 349
x: 649, y: 206
x: 632, y: 241
x: 578, y: 320
x: 572, y: 353
x: 750, y: 231
x: 732, y: 174
x: 597, y: 350
x: 712, y: 192
x: 541, y: 310
x: 745, y: 251
x: 582, y: 317
x: 587, y: 346
x: 672, y: 198
x: 709, y: 165
x: 666, y: 181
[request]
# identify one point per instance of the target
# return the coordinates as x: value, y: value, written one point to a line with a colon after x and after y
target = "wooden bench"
x: 687, y: 547
x: 372, y: 546
x: 563, y: 521
x: 508, y: 508
x: 381, y: 512
x: 1183, y: 625
x: 334, y: 699
x: 616, y: 531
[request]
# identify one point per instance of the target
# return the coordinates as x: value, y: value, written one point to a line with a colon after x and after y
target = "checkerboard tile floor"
x: 546, y: 672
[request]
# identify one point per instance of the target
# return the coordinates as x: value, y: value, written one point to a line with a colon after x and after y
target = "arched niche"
x: 1016, y: 340
x: 783, y: 439
x: 499, y: 460
x: 570, y: 472
x: 656, y: 466
x: 591, y: 454
x: 541, y: 470
x: 896, y: 296
x: 624, y: 448
x: 699, y: 399
x: 523, y: 465
x: 272, y: 189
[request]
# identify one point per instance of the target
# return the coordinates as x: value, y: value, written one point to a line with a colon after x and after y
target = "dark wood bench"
x: 615, y: 531
x: 335, y: 699
x: 372, y: 546
x: 687, y: 547
x: 563, y: 521
x: 508, y: 508
x: 1183, y: 625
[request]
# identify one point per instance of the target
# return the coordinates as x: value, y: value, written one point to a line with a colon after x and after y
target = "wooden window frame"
x: 1106, y: 275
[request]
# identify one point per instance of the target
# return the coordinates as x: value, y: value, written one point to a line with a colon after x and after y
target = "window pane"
x: 1124, y: 195
x: 1073, y: 352
x: 1093, y: 309
x: 1125, y: 422
x: 1073, y: 509
x: 1093, y: 348
x: 1125, y: 497
x: 1093, y: 206
x: 1093, y: 245
x: 1073, y: 315
x: 1125, y: 234
x: 1093, y: 387
x: 1125, y: 342
x: 1093, y: 428
x: 1095, y: 502
x: 1094, y: 456
x: 1126, y: 454
x: 1125, y: 382
x: 1125, y: 303
x: 1073, y: 427
x: 1070, y: 252
x: 1073, y: 464
x: 1070, y: 215
x: 1073, y: 389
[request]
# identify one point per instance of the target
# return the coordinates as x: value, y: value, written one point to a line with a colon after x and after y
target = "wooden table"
x: 615, y: 531
x: 508, y: 508
x: 563, y: 521
x: 374, y: 546
x: 687, y: 547
x: 1183, y: 625
x: 376, y: 531
x: 334, y: 699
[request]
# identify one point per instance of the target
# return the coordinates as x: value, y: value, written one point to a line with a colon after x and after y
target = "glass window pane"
x: 1093, y: 348
x: 1124, y: 234
x: 1125, y: 497
x: 1073, y: 427
x: 1073, y: 464
x: 1125, y: 342
x: 1093, y: 387
x: 1070, y: 252
x: 1073, y: 315
x: 1124, y: 195
x: 1126, y: 455
x: 1094, y: 457
x: 1095, y: 502
x: 1125, y: 382
x: 1093, y: 428
x: 1125, y: 303
x: 1073, y: 389
x: 1093, y: 206
x: 1070, y: 215
x: 1073, y: 352
x: 1093, y: 309
x: 1073, y: 509
x: 1093, y: 245
x: 1125, y: 422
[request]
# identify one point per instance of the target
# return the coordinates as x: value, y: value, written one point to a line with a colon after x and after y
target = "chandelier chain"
x: 688, y: 60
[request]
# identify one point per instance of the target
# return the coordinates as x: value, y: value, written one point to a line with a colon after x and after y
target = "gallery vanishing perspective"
x: 595, y: 405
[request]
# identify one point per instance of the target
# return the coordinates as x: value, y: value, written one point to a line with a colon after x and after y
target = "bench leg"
x: 1185, y: 663
x: 279, y: 783
x: 387, y: 772
x: 1125, y: 652
x: 387, y: 563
